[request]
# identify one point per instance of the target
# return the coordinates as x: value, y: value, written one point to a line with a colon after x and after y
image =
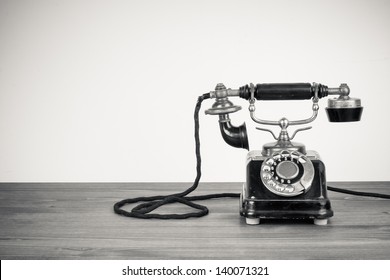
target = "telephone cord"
x: 150, y: 203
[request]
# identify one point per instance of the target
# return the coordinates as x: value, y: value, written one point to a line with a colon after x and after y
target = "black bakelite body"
x: 258, y: 202
x: 233, y: 135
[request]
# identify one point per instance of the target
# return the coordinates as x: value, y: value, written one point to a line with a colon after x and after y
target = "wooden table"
x: 76, y: 221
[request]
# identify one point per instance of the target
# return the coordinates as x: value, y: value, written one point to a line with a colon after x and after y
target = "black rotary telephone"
x: 284, y: 180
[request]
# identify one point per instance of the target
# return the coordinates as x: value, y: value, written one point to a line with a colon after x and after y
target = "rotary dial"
x: 287, y: 173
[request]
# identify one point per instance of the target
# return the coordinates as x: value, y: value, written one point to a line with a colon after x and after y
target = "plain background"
x: 104, y: 91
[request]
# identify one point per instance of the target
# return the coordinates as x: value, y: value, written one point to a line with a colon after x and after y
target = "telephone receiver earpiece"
x: 344, y: 108
x: 351, y: 114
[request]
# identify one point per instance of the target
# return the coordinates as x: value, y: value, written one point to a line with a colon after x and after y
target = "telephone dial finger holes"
x: 287, y: 173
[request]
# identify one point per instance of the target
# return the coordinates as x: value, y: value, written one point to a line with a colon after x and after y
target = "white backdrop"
x: 105, y: 90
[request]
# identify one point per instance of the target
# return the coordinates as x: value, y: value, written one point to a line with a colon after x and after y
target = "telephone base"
x: 305, y: 206
x: 257, y: 202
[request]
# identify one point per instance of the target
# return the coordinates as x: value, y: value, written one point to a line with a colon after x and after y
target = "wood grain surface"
x: 76, y: 221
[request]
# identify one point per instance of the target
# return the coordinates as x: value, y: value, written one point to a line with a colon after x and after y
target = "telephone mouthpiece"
x: 344, y: 109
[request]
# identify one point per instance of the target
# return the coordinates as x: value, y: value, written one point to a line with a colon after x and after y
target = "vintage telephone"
x: 284, y: 180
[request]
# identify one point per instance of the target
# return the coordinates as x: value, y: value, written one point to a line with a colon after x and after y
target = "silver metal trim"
x: 257, y: 155
x: 298, y: 130
x: 268, y: 130
x: 252, y: 109
x: 222, y: 104
x: 344, y: 102
x: 276, y: 147
x: 228, y: 92
x: 342, y: 90
x: 225, y: 107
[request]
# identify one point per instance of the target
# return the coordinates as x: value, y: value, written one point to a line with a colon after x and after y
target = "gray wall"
x: 105, y: 90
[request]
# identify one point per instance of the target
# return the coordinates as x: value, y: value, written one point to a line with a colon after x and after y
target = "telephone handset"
x: 283, y: 181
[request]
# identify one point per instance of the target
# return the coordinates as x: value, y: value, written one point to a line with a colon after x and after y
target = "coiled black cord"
x: 151, y: 203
